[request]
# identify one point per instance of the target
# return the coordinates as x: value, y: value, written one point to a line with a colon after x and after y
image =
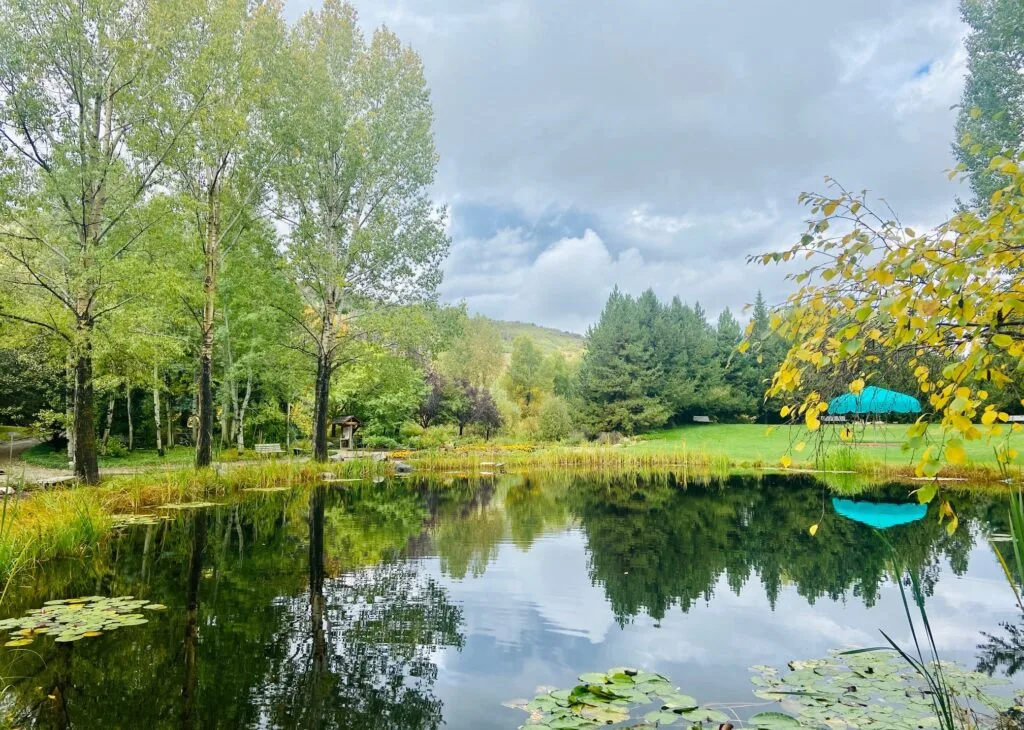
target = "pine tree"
x: 620, y: 373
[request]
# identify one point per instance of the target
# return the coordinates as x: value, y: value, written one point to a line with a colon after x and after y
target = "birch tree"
x: 79, y: 82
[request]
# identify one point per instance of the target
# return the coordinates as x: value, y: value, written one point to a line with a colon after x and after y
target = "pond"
x: 418, y: 604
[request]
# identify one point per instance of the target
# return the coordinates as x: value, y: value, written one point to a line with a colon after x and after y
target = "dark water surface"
x: 420, y: 605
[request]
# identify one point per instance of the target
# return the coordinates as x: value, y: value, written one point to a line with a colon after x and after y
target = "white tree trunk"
x: 156, y: 410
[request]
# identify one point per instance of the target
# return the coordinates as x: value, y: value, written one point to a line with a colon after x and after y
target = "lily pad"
x: 71, y: 619
x: 774, y: 721
x: 662, y: 717
x: 188, y: 505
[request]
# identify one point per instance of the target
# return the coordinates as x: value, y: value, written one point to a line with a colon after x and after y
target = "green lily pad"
x: 18, y: 642
x: 594, y: 678
x: 705, y: 714
x: 70, y: 619
x: 774, y: 721
x: 662, y: 717
x: 678, y: 702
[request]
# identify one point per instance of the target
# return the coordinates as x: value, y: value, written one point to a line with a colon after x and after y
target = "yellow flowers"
x: 786, y: 461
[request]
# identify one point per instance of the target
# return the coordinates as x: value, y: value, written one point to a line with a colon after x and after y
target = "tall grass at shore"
x: 60, y: 522
x: 580, y: 457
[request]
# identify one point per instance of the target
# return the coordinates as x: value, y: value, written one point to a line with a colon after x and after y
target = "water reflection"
x: 382, y: 606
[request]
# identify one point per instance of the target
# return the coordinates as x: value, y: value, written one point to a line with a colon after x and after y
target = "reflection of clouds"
x: 550, y: 580
x: 534, y: 618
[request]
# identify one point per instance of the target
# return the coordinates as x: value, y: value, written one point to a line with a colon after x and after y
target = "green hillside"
x: 546, y: 339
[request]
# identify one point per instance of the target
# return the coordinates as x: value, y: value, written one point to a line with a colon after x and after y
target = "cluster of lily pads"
x: 71, y: 619
x: 136, y: 520
x: 188, y: 505
x: 604, y: 698
x: 874, y: 690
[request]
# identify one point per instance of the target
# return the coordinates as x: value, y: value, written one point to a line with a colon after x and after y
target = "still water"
x: 414, y: 604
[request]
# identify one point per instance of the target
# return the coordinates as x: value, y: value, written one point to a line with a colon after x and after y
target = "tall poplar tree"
x: 354, y: 186
x: 223, y: 162
x: 79, y: 82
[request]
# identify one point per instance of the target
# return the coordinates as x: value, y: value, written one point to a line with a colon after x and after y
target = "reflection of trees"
x: 362, y: 644
x: 285, y: 634
x: 654, y: 544
x: 1004, y: 653
x: 536, y: 505
x: 468, y: 532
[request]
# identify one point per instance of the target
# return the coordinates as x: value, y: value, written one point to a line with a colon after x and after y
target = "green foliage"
x: 524, y: 381
x: 554, y: 422
x: 991, y: 111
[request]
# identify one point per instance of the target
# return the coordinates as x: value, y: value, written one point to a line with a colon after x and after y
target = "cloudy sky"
x: 656, y: 143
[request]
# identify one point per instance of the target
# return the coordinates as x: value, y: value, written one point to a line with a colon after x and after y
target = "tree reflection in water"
x: 312, y: 608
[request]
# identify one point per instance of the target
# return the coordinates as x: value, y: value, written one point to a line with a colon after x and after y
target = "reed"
x: 578, y: 457
x: 47, y: 524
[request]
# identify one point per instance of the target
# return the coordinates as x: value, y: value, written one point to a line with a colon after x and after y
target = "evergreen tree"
x: 620, y: 377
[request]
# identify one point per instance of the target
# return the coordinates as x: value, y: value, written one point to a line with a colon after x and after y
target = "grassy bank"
x: 43, y: 525
x: 718, y: 448
x: 45, y: 455
x: 873, y: 448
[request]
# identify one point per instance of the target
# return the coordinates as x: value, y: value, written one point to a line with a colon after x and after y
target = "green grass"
x: 754, y: 444
x: 17, y: 431
x: 44, y: 455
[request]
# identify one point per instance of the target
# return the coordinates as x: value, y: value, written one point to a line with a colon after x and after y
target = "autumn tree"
x: 525, y: 378
x: 950, y: 295
x: 354, y: 185
x: 476, y: 354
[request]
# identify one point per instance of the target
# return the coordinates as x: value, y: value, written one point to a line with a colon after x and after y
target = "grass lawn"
x: 746, y: 443
x: 44, y: 455
x: 17, y: 431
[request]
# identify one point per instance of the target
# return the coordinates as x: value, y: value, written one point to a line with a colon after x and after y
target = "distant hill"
x: 546, y: 339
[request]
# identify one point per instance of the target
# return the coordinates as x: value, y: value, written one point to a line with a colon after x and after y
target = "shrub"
x: 116, y: 447
x: 554, y: 422
x: 379, y: 442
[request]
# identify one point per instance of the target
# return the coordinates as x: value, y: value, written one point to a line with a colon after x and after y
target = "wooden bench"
x: 702, y: 419
x: 265, y: 449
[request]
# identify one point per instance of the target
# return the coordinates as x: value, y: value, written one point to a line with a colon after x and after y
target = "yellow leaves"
x: 989, y: 417
x: 813, y: 529
x: 743, y: 346
x: 846, y: 434
x: 1002, y: 340
x: 800, y: 446
x: 946, y: 511
x: 786, y: 461
x: 956, y: 454
x: 857, y: 386
x: 785, y: 411
x: 811, y: 419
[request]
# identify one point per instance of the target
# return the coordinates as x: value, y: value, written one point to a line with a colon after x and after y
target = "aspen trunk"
x: 156, y: 410
x: 110, y: 423
x: 128, y: 407
x: 84, y: 416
